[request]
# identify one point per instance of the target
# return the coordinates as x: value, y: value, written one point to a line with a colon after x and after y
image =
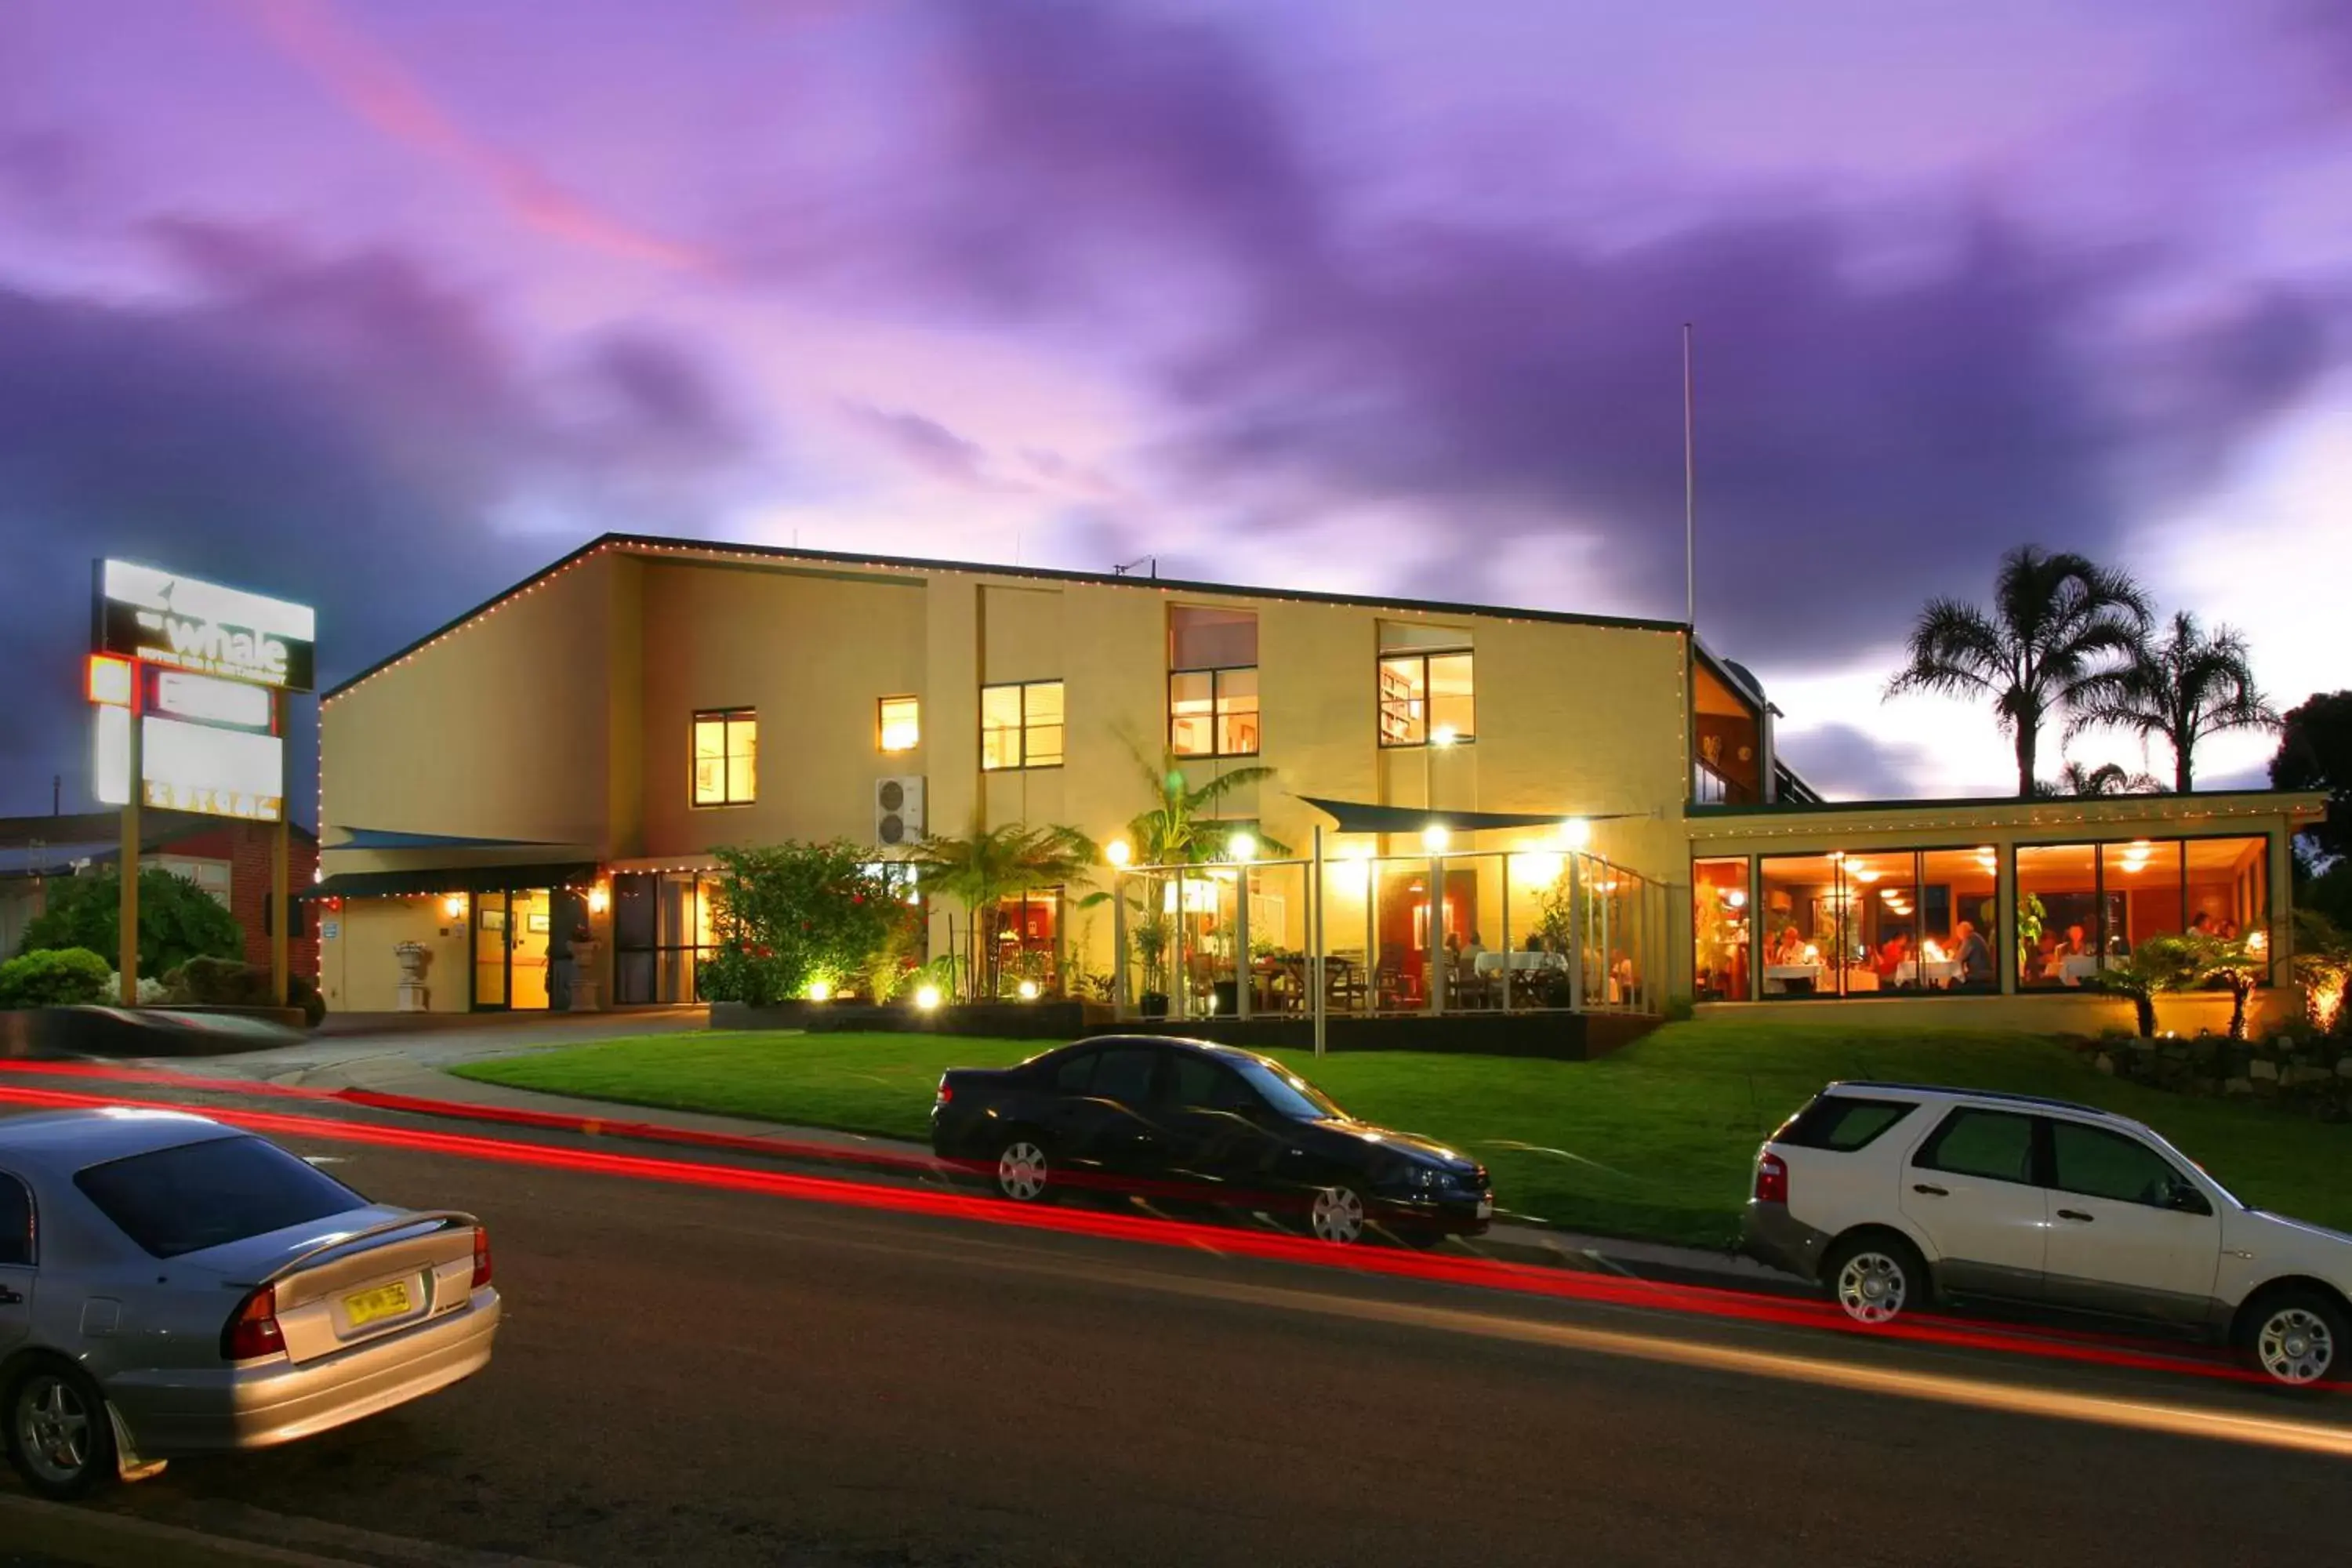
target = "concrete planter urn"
x: 587, y: 976
x: 411, y: 995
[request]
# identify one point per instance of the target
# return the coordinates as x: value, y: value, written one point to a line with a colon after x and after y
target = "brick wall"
x: 248, y: 855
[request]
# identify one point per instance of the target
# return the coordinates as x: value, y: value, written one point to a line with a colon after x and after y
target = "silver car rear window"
x: 185, y: 1199
x: 1843, y: 1123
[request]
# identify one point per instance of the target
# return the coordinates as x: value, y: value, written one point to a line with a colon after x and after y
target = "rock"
x: 2309, y: 1075
x: 2239, y: 1086
x: 2263, y: 1071
x: 2106, y: 1064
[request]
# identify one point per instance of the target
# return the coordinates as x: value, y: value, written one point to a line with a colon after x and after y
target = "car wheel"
x: 1338, y: 1214
x: 61, y: 1438
x: 2298, y: 1339
x: 1874, y: 1280
x: 1022, y: 1170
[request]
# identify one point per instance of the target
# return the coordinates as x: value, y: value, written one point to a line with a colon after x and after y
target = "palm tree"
x: 1178, y: 829
x: 2189, y: 685
x: 2054, y: 618
x: 989, y: 864
x: 2108, y: 778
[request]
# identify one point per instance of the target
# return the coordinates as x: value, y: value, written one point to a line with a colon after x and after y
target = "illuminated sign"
x: 189, y: 624
x: 207, y: 701
x: 191, y: 767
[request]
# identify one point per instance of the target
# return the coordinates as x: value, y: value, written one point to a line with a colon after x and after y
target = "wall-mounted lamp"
x: 599, y: 898
x: 453, y: 906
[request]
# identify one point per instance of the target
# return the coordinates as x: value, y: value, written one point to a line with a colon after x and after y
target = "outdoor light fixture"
x: 454, y: 906
x: 927, y: 997
x: 1434, y: 838
x: 820, y: 990
x: 1028, y: 991
x: 1241, y: 847
x: 1576, y: 833
x: 598, y: 898
x: 1118, y: 853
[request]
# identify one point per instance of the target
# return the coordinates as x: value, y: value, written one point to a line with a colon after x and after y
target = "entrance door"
x: 490, y: 920
x: 528, y: 927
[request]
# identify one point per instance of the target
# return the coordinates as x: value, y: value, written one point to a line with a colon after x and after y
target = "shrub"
x: 220, y: 982
x: 1680, y: 1009
x: 177, y: 920
x: 789, y: 914
x: 54, y: 977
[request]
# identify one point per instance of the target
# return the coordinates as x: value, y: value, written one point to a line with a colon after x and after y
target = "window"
x: 2080, y: 907
x: 1726, y: 741
x: 1212, y: 707
x: 2098, y: 1163
x: 1021, y: 725
x: 1719, y: 928
x: 1125, y: 1076
x: 726, y: 757
x: 1426, y: 695
x: 1293, y: 1097
x: 1842, y: 1124
x: 900, y: 723
x: 1878, y: 922
x: 1077, y: 1072
x: 15, y: 1223
x: 2059, y: 928
x: 1994, y: 1144
x: 1199, y: 1082
x: 197, y: 1195
x: 663, y: 926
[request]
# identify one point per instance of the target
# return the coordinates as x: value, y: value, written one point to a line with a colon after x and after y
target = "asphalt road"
x: 697, y: 1376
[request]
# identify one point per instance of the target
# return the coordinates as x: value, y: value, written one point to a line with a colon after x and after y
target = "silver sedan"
x: 169, y: 1284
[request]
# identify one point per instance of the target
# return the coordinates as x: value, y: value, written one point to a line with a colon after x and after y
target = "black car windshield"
x: 181, y: 1200
x: 1292, y: 1096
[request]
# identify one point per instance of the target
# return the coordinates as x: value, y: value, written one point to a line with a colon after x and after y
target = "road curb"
x: 109, y: 1539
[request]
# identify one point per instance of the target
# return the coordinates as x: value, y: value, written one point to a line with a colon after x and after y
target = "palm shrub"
x: 984, y: 867
x: 2057, y: 623
x: 1179, y: 829
x: 2322, y: 965
x: 2233, y: 963
x: 2159, y: 965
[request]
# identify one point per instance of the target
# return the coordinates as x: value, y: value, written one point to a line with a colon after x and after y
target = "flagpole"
x: 1690, y: 494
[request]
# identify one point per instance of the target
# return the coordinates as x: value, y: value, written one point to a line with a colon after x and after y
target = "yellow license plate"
x: 374, y: 1306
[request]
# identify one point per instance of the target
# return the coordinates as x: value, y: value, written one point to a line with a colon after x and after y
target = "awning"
x: 1362, y: 816
x: 451, y: 880
x: 387, y: 839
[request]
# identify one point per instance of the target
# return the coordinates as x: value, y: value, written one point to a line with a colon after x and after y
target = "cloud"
x: 925, y: 445
x: 1846, y: 763
x: 342, y: 430
x: 372, y: 85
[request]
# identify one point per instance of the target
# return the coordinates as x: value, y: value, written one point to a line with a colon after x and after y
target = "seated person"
x: 1974, y: 954
x: 1893, y: 953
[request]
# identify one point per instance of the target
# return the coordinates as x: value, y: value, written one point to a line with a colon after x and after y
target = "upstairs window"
x: 900, y: 723
x: 1021, y: 725
x: 1212, y: 701
x: 1427, y: 696
x: 726, y: 757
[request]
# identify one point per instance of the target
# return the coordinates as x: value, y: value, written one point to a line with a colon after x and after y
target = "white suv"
x: 1894, y: 1196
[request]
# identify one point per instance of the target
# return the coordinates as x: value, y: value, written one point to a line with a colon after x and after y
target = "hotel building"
x: 567, y: 756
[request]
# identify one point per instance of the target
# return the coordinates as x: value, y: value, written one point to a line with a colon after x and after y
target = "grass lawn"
x: 1653, y: 1142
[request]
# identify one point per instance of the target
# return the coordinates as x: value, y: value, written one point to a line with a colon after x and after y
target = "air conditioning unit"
x: 897, y: 810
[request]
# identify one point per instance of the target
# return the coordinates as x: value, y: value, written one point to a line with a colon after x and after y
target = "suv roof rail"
x: 2046, y: 1102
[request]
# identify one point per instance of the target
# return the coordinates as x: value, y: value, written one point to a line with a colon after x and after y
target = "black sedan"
x: 1189, y: 1121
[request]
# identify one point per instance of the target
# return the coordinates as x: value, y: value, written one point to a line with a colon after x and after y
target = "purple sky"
x: 383, y: 305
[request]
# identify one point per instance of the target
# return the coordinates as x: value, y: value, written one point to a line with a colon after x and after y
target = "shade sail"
x: 1364, y: 816
x: 450, y: 880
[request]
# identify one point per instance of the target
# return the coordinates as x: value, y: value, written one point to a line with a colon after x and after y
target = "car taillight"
x: 1772, y: 1178
x: 253, y: 1332
x: 481, y: 1255
x: 946, y: 1093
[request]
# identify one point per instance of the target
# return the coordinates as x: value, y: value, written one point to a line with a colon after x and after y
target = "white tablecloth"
x: 1778, y: 975
x: 2077, y: 967
x: 1493, y: 963
x: 1940, y: 971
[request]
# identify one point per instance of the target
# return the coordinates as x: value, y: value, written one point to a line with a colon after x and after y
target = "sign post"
x: 188, y: 680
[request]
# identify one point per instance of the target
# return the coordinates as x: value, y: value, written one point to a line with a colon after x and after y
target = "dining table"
x: 1938, y: 971
x: 1777, y: 976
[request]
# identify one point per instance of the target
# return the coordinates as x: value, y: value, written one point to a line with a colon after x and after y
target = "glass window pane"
x: 1237, y: 712
x: 1404, y: 691
x: 709, y: 780
x: 1042, y: 704
x: 902, y: 729
x: 2058, y: 936
x: 2145, y: 895
x: 1993, y: 1144
x: 1808, y: 925
x: 1125, y: 1076
x: 199, y: 1195
x: 1882, y: 909
x: 743, y: 779
x: 15, y: 1223
x: 2102, y: 1165
x: 1398, y: 636
x: 2227, y: 884
x: 1201, y: 638
x: 1960, y: 917
x: 1000, y: 726
x: 1044, y: 747
x: 1192, y: 714
x: 1719, y: 961
x: 1451, y: 701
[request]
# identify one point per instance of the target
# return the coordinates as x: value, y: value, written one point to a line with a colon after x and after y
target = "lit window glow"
x: 901, y: 723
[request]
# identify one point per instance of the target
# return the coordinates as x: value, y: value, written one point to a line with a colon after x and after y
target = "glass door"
x: 490, y: 917
x: 529, y: 918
